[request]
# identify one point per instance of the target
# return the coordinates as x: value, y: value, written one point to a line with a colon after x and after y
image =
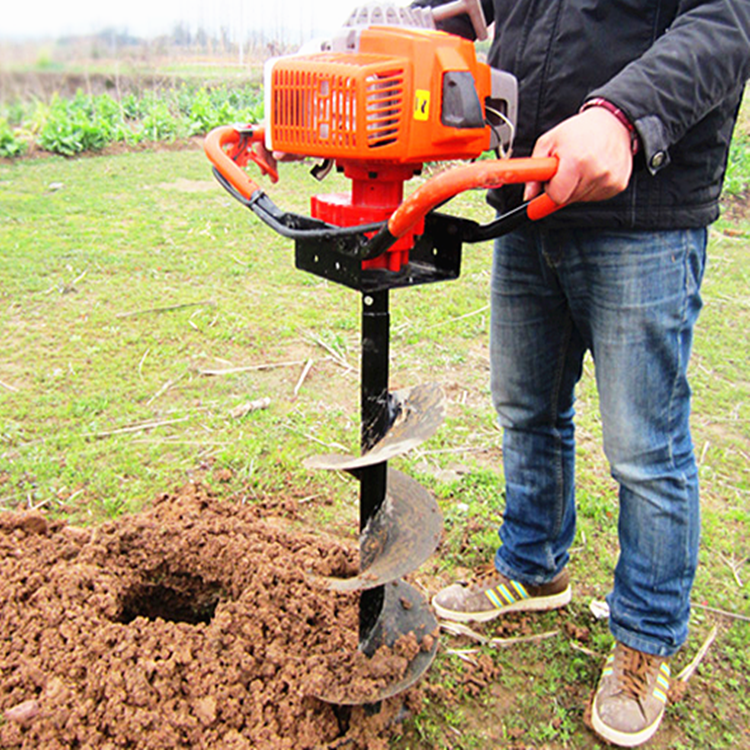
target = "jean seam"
x: 685, y: 249
x: 559, y: 505
x: 684, y: 482
x: 680, y: 334
x: 554, y: 414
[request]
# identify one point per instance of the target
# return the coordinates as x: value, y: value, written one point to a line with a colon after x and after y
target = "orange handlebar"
x: 485, y: 174
x: 228, y: 161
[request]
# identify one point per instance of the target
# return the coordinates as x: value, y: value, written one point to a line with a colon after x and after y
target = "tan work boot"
x: 632, y: 694
x: 493, y: 594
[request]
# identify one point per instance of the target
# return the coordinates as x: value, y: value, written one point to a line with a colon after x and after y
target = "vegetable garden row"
x: 90, y: 122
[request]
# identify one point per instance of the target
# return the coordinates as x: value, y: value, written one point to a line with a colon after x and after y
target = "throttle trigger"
x: 321, y: 169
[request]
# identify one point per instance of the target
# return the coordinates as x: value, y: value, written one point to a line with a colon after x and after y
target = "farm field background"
x: 153, y: 333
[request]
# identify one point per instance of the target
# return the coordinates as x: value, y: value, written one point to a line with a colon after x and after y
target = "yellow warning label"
x: 422, y: 105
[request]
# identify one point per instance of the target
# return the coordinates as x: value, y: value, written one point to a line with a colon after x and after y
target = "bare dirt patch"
x: 182, y: 185
x: 190, y: 625
x: 194, y: 143
x: 42, y: 84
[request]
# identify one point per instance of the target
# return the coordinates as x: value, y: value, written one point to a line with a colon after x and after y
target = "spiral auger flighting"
x: 400, y: 523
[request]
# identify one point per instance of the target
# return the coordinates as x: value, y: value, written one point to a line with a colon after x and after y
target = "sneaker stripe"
x: 608, y: 667
x: 520, y: 589
x: 505, y: 595
x: 494, y: 598
x: 661, y: 688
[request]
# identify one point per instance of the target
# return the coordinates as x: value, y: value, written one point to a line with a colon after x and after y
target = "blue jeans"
x: 632, y: 299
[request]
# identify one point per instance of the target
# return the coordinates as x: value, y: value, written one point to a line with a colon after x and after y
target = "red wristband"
x: 620, y: 115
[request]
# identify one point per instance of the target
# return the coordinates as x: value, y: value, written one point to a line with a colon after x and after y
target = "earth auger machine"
x: 387, y: 94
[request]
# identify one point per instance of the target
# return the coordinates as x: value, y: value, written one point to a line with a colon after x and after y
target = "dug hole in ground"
x: 193, y: 624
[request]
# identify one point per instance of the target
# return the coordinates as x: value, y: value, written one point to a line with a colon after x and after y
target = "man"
x: 637, y: 99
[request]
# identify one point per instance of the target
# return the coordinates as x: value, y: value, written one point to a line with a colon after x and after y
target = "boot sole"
x: 533, y: 604
x: 623, y: 739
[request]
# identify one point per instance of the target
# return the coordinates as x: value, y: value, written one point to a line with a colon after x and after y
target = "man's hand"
x: 595, y: 156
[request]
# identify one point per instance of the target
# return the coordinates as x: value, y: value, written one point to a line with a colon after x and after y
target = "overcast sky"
x: 298, y: 20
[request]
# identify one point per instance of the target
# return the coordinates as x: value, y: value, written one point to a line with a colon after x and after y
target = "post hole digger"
x: 385, y: 95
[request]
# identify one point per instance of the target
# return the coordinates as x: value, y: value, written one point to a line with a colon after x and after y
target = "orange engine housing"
x: 384, y: 102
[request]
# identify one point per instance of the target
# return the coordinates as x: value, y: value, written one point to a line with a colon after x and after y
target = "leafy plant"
x: 10, y: 144
x: 133, y: 107
x: 160, y: 124
x: 206, y: 114
x: 15, y: 112
x: 85, y: 123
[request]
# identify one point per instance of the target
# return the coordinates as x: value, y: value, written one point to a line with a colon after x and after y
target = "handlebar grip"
x: 484, y: 175
x: 472, y: 8
x: 541, y: 206
x: 226, y: 162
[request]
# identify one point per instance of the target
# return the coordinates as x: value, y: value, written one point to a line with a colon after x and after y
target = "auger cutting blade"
x: 406, y: 615
x: 419, y: 412
x: 397, y: 539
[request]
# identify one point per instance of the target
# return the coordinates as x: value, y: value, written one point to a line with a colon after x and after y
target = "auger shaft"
x: 375, y: 423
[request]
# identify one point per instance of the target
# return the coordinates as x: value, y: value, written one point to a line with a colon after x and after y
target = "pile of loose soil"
x: 190, y: 625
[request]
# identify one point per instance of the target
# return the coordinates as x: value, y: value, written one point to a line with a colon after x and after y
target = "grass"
x: 86, y: 357
x: 125, y: 278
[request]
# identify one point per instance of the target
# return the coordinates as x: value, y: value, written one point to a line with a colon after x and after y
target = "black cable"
x: 309, y: 228
x: 266, y: 210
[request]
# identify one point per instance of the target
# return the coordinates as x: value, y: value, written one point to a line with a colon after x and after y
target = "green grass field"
x: 143, y: 311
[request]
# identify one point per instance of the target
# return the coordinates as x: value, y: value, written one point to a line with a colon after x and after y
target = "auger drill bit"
x: 399, y: 522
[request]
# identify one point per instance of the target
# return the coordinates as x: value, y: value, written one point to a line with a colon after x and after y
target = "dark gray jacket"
x: 676, y: 68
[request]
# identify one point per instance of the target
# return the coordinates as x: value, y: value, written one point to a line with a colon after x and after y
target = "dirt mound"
x: 191, y: 625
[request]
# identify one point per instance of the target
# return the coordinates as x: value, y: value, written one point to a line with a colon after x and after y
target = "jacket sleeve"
x: 699, y: 62
x: 458, y: 25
